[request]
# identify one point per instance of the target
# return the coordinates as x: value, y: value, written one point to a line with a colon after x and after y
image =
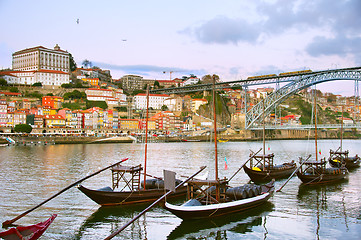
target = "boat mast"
x: 215, y: 128
x: 341, y: 128
x: 146, y: 139
x: 264, y: 138
x: 315, y: 110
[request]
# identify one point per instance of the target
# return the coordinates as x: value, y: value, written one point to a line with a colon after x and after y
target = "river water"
x: 31, y: 174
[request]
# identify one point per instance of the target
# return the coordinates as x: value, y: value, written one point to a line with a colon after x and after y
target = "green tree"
x: 164, y: 108
x: 14, y: 89
x: 72, y: 63
x: 74, y: 95
x: 101, y: 104
x: 66, y: 85
x: 24, y: 128
x: 3, y: 82
x: 37, y: 84
x: 156, y: 84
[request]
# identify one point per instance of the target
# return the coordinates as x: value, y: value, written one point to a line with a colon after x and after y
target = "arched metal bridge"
x: 295, y: 82
x: 296, y: 85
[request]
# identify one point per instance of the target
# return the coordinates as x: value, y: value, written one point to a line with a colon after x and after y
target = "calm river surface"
x: 31, y: 174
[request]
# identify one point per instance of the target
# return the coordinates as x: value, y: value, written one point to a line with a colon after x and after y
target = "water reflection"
x: 218, y: 228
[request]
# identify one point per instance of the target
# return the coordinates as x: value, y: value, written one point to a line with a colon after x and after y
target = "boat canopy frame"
x: 202, y: 190
x: 120, y: 174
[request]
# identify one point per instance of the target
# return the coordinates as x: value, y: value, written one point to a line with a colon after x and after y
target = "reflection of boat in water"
x: 238, y: 223
x: 104, y: 216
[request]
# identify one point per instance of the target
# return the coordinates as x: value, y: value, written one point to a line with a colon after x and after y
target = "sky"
x: 234, y: 39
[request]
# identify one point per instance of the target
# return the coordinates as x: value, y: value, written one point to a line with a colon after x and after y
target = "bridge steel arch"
x: 305, y: 81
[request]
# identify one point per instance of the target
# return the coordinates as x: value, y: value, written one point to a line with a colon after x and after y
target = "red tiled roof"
x: 154, y: 95
x: 54, y: 117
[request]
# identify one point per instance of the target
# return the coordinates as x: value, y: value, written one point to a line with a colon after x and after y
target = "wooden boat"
x: 341, y: 158
x: 126, y: 180
x: 154, y: 188
x: 232, y: 200
x: 262, y: 169
x: 315, y: 172
x: 212, y: 198
x: 31, y: 232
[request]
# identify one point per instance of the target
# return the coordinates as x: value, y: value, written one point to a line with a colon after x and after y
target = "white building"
x: 111, y: 97
x: 41, y: 58
x: 156, y: 101
x: 191, y: 80
x: 40, y: 64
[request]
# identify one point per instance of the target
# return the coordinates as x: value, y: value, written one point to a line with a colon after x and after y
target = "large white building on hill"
x: 40, y: 64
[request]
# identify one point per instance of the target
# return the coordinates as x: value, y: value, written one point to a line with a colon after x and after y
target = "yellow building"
x: 129, y: 124
x: 91, y: 81
x: 53, y: 121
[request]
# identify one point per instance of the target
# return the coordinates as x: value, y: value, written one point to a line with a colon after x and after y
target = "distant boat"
x: 262, y: 168
x: 190, y: 140
x: 223, y: 140
x: 315, y: 172
x: 31, y: 232
x: 340, y: 158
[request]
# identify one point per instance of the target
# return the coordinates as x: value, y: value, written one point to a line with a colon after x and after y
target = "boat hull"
x: 215, y: 210
x: 266, y: 176
x: 31, y: 232
x: 111, y: 198
x: 349, y: 163
x: 321, y: 179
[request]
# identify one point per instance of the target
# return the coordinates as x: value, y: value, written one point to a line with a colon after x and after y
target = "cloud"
x: 340, y: 19
x: 224, y: 30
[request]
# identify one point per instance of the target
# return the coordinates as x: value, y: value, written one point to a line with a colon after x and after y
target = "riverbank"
x: 243, y: 135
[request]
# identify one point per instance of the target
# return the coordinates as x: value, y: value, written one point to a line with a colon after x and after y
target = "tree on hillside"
x: 23, y: 128
x: 209, y: 78
x: 3, y: 82
x: 14, y: 89
x: 72, y: 63
x: 74, y: 95
x: 101, y: 104
x: 86, y: 63
x: 37, y: 84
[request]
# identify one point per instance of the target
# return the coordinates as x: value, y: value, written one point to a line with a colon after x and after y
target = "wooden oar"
x: 150, y: 206
x: 293, y: 174
x: 239, y: 169
x: 8, y: 222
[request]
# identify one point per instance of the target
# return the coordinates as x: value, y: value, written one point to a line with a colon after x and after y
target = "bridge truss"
x: 293, y: 83
x: 273, y: 100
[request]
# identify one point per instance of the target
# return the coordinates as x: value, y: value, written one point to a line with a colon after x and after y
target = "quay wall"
x: 242, y: 135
